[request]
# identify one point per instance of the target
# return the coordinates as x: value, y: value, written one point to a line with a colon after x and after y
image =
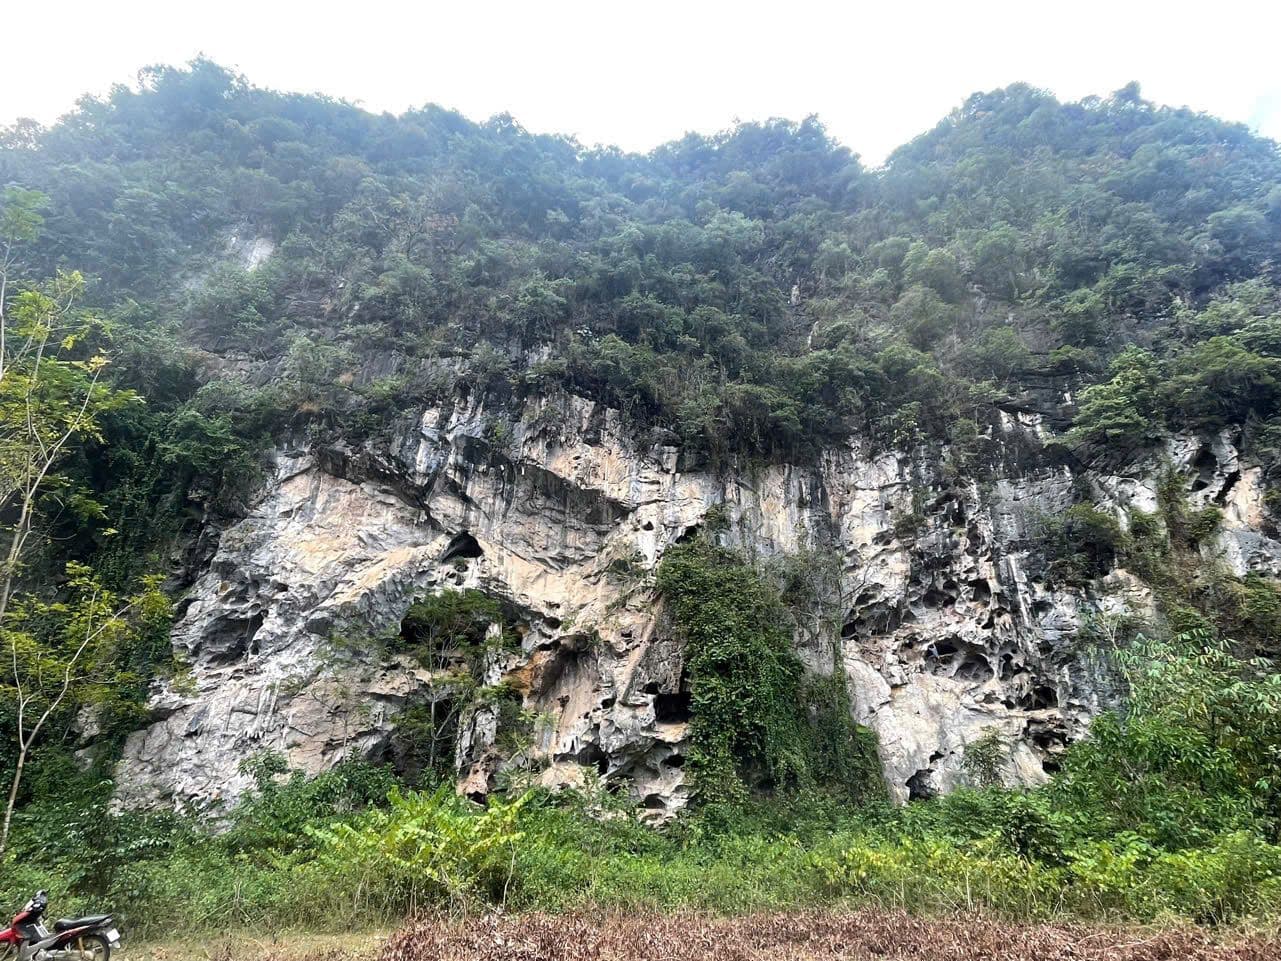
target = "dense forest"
x: 213, y: 267
x: 757, y: 294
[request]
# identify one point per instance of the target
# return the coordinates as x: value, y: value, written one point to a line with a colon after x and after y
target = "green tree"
x: 923, y: 316
x: 1123, y: 412
x: 52, y: 399
x: 1000, y: 353
x: 448, y: 633
x: 1196, y: 752
x: 1219, y: 382
x: 52, y: 394
x: 67, y: 654
x: 936, y: 269
x: 999, y: 260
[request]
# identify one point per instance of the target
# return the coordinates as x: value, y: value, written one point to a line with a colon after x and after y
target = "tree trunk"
x: 13, y: 800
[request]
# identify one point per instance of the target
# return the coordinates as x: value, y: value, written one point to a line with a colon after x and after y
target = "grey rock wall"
x: 948, y: 629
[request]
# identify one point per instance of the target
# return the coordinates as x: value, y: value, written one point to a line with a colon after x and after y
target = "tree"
x: 1000, y: 353
x: 20, y: 222
x: 67, y: 654
x: 936, y: 269
x: 1236, y: 237
x: 1123, y: 412
x: 923, y: 316
x: 449, y: 634
x: 1196, y: 751
x: 52, y: 398
x: 1219, y: 382
x: 999, y: 260
x: 51, y: 392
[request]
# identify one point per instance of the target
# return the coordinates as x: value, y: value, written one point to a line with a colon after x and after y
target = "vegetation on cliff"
x: 256, y: 265
x: 756, y: 293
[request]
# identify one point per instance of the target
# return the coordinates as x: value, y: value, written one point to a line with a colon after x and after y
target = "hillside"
x: 828, y: 532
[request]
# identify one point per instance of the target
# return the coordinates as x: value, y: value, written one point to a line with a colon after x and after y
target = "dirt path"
x: 347, y: 946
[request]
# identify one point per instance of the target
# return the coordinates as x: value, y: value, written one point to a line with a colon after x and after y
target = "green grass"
x: 431, y: 849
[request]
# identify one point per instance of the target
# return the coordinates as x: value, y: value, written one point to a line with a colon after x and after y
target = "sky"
x: 641, y: 73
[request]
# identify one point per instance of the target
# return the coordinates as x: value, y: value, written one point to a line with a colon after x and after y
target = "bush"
x: 422, y: 849
x: 1082, y: 543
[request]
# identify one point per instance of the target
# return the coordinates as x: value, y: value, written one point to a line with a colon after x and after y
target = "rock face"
x: 949, y: 634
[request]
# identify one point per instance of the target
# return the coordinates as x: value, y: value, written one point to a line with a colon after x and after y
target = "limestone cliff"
x: 950, y: 631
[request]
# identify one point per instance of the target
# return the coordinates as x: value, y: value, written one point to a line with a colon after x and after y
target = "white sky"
x: 637, y: 74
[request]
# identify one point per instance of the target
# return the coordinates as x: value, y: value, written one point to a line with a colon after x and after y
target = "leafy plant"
x: 754, y: 722
x: 984, y: 757
x: 424, y: 848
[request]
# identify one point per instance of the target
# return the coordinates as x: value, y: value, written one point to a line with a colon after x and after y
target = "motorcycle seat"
x: 66, y: 924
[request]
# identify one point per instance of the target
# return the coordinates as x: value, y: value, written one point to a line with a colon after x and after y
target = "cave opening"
x: 591, y: 755
x: 230, y: 637
x: 920, y: 786
x: 673, y: 708
x: 462, y: 547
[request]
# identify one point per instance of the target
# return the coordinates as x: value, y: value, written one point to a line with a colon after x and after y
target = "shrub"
x: 424, y: 848
x: 983, y: 757
x: 1080, y: 544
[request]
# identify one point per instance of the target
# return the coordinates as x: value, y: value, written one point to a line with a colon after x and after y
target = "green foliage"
x: 423, y: 849
x: 452, y: 634
x: 843, y: 756
x: 89, y: 650
x: 923, y: 317
x: 1196, y: 753
x: 984, y: 757
x: 452, y: 255
x: 1121, y: 413
x: 1080, y: 543
x: 287, y: 804
x: 21, y: 216
x: 1001, y: 354
x: 1222, y: 371
x: 453, y: 624
x: 1186, y: 528
x: 160, y: 871
x: 755, y: 722
x: 743, y: 675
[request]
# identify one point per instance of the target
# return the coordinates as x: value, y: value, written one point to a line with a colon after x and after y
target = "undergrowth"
x: 1168, y: 810
x: 1011, y: 854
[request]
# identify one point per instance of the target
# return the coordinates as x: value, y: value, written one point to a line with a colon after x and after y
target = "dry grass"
x: 348, y: 946
x: 809, y: 936
x: 872, y: 935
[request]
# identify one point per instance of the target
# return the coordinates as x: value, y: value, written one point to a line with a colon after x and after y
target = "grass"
x: 805, y: 936
x: 285, y: 867
x: 249, y: 946
x: 812, y: 935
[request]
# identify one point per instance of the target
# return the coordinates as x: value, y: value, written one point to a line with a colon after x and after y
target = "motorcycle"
x: 91, y: 938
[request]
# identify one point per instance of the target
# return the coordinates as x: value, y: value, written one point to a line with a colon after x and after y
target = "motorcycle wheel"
x: 91, y: 947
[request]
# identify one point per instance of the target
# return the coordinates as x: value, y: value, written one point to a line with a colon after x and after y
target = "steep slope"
x: 1021, y: 388
x: 950, y: 630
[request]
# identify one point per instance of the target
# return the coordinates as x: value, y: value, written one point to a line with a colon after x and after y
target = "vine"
x: 757, y: 721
